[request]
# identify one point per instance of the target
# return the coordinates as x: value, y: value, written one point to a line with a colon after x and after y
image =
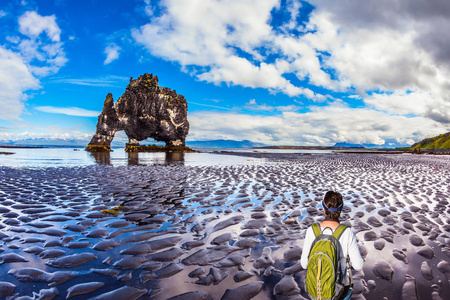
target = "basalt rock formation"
x: 144, y: 111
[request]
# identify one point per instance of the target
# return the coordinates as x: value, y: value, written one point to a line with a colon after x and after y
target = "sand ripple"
x: 220, y: 232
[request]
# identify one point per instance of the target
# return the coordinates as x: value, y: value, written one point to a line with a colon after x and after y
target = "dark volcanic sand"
x: 221, y: 232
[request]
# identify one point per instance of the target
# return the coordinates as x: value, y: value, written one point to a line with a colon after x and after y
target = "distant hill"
x: 223, y: 144
x: 347, y: 145
x: 438, y: 142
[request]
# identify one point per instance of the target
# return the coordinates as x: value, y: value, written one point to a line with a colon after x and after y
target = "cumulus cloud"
x: 112, y: 53
x: 418, y: 103
x: 320, y: 126
x: 15, y: 79
x: 428, y: 20
x: 400, y: 52
x: 38, y: 52
x: 392, y: 54
x: 231, y: 42
x: 33, y: 25
x: 43, y: 53
x: 70, y: 111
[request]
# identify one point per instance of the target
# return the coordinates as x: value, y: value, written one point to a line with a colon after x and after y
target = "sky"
x: 288, y: 72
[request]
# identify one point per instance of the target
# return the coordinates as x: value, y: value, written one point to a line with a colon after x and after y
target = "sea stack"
x: 145, y: 110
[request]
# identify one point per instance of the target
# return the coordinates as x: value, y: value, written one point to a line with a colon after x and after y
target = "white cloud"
x: 27, y: 59
x: 400, y: 52
x: 253, y: 105
x: 70, y: 111
x: 417, y: 103
x: 53, y: 132
x: 230, y: 42
x: 109, y: 81
x: 395, y: 56
x: 320, y: 126
x: 428, y: 20
x: 112, y: 53
x: 2, y: 13
x: 32, y: 25
x: 15, y: 80
x: 44, y: 54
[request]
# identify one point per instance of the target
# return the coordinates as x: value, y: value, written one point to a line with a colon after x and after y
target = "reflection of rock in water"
x: 174, y: 157
x: 102, y: 158
x: 169, y: 158
x: 133, y: 158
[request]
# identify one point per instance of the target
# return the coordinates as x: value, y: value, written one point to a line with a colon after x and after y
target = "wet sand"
x: 221, y: 232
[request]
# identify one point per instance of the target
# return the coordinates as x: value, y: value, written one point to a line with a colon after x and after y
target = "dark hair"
x: 332, y: 200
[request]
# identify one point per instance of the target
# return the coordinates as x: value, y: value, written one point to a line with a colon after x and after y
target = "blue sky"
x: 277, y: 72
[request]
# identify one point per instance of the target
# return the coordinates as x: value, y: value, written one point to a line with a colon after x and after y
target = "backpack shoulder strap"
x: 338, y: 232
x: 316, y: 229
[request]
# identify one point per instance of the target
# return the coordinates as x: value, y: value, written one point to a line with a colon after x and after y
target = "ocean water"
x: 70, y: 157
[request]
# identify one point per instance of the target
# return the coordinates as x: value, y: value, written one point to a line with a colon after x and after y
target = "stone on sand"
x: 6, y: 289
x: 83, y: 288
x: 383, y: 270
x: 71, y: 261
x: 426, y: 251
x: 400, y: 255
x: 244, y: 292
x: 426, y: 271
x: 265, y: 259
x: 379, y: 244
x: 125, y: 292
x: 293, y: 253
x: 286, y: 286
x: 409, y: 290
x: 168, y: 271
x: 36, y: 275
x: 194, y: 295
x: 416, y: 240
x: 11, y: 258
x: 228, y: 222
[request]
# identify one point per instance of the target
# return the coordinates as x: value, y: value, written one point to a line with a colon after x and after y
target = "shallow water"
x: 74, y: 157
x: 141, y: 225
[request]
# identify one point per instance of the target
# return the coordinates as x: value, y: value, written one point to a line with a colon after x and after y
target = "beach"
x: 230, y: 226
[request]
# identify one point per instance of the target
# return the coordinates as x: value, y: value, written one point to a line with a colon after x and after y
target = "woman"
x: 332, y: 207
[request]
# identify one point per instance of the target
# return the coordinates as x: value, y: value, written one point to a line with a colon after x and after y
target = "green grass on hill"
x: 438, y: 142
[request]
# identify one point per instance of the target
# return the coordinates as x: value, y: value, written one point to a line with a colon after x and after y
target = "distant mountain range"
x: 348, y: 145
x: 438, y: 142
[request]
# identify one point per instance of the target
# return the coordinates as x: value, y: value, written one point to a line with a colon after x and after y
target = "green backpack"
x: 323, y: 277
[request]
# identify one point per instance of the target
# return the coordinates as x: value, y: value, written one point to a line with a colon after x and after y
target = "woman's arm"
x: 309, y: 239
x: 353, y: 252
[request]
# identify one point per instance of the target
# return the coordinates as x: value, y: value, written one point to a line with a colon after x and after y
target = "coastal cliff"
x: 145, y: 110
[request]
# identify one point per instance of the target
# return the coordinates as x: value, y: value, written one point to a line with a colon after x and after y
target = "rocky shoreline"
x: 155, y: 148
